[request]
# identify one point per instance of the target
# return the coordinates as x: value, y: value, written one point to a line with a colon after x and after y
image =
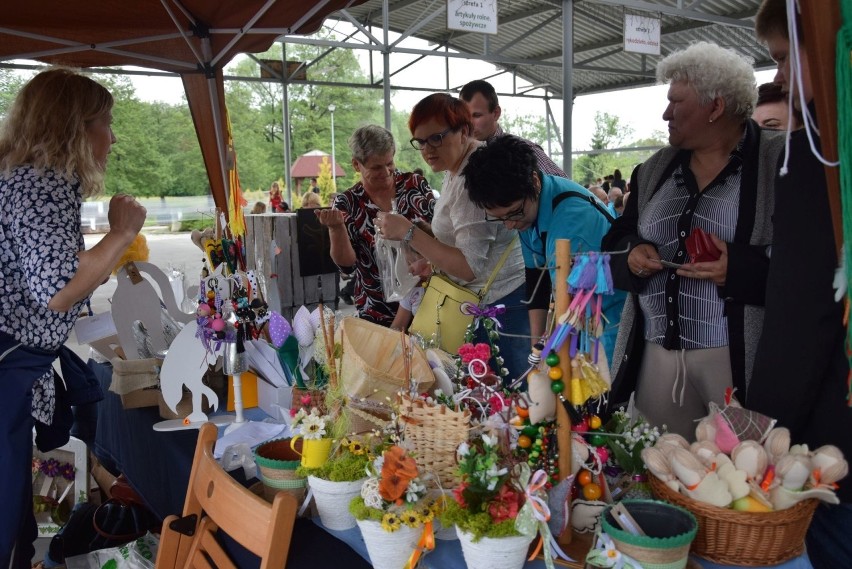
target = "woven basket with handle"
x: 435, y: 431
x: 748, y: 539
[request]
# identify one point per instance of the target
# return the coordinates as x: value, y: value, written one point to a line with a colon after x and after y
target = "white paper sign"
x: 641, y: 34
x: 472, y: 16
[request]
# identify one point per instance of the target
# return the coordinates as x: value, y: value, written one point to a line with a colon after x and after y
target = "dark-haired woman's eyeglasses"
x: 513, y: 215
x: 433, y: 140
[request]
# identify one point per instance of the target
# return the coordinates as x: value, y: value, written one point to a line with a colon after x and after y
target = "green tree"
x: 256, y: 111
x: 609, y: 133
x: 325, y: 181
x: 10, y: 84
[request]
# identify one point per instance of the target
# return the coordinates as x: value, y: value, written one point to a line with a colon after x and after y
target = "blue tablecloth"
x: 448, y: 555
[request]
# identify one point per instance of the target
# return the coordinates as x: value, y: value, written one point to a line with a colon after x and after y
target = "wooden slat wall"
x: 289, y: 290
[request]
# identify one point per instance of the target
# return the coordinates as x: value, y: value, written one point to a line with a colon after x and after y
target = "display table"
x: 157, y: 465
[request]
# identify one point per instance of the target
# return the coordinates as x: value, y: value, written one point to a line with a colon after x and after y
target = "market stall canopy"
x: 195, y: 38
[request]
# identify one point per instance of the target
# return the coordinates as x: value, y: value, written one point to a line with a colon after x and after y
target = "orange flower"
x: 397, y: 471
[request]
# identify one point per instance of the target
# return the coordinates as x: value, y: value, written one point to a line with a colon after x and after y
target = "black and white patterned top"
x: 40, y: 239
x: 681, y: 312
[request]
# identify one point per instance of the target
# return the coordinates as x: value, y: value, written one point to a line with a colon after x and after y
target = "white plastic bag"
x: 393, y: 269
x: 139, y: 554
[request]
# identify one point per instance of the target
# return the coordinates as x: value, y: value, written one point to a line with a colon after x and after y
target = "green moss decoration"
x: 346, y: 467
x: 360, y: 511
x: 477, y: 524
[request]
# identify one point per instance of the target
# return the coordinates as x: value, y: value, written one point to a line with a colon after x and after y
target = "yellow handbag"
x: 440, y: 316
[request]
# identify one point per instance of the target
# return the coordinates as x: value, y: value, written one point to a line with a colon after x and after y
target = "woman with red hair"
x: 465, y: 247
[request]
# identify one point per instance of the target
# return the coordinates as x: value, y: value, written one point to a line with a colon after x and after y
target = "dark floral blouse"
x: 415, y: 200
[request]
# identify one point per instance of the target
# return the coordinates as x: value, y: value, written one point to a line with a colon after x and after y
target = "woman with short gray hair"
x: 690, y: 327
x: 371, y: 140
x: 350, y: 220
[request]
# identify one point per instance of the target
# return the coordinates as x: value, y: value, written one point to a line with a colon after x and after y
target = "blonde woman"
x: 53, y: 152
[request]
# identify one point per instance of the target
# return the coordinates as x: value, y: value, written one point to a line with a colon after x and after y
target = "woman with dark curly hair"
x: 503, y: 178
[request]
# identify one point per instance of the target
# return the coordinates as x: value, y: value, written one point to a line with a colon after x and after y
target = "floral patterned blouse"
x: 415, y: 200
x: 40, y: 238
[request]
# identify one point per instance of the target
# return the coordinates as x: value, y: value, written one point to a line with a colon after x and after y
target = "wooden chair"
x: 214, y: 500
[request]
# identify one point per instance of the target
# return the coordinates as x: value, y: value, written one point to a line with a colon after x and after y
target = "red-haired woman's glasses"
x: 433, y: 140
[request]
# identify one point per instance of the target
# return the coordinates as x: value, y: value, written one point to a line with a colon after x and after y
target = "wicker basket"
x: 747, y: 539
x: 434, y: 432
x: 372, y: 366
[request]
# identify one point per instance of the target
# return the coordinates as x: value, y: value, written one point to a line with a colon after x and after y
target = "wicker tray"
x: 747, y: 539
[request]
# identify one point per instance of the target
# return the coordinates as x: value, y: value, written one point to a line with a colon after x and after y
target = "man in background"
x: 481, y: 100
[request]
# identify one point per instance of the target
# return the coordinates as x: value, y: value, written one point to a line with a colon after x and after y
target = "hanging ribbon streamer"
x: 535, y: 513
x: 425, y: 543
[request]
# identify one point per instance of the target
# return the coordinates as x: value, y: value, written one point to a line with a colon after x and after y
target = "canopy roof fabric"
x: 195, y: 38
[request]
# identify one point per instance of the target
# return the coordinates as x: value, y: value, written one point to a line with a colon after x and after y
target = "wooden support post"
x: 563, y: 423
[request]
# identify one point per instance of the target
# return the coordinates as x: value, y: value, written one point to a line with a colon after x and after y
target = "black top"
x: 800, y: 370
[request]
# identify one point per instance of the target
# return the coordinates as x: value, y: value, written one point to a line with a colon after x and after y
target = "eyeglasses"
x: 513, y: 215
x: 434, y: 140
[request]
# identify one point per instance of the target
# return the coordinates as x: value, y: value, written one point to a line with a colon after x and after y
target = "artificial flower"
x: 397, y: 471
x: 391, y: 522
x: 411, y: 518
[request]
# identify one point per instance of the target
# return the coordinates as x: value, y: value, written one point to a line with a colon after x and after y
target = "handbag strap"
x: 497, y: 268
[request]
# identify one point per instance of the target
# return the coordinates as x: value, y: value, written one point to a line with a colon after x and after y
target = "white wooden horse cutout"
x: 186, y: 363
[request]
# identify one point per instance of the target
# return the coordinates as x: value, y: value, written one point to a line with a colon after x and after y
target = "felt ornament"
x: 725, y: 439
x: 783, y: 498
x: 542, y: 405
x: 696, y: 482
x: 705, y: 430
x: 735, y: 479
x: 279, y: 329
x: 828, y: 466
x: 302, y: 327
x: 750, y: 457
x: 657, y: 463
x: 777, y: 444
x: 673, y: 439
x: 706, y: 452
x: 793, y: 470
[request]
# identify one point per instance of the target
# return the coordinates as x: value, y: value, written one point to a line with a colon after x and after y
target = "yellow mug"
x: 314, y: 451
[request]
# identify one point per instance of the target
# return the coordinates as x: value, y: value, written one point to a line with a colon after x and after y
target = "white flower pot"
x: 332, y: 499
x: 389, y: 550
x: 494, y: 553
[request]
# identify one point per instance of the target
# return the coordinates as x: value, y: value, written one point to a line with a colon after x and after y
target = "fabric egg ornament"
x: 302, y: 328
x: 279, y: 329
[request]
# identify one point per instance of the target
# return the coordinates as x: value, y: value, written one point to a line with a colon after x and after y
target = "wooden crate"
x: 283, y: 285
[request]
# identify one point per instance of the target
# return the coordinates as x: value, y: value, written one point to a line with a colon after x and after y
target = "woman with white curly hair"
x: 690, y: 327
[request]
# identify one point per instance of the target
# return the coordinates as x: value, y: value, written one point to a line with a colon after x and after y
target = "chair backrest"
x: 217, y: 501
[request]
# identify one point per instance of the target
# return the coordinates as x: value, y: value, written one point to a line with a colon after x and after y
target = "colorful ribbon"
x: 534, y: 514
x: 425, y: 543
x: 478, y: 312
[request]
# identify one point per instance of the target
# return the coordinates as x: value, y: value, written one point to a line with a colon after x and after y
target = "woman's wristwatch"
x: 409, y: 235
